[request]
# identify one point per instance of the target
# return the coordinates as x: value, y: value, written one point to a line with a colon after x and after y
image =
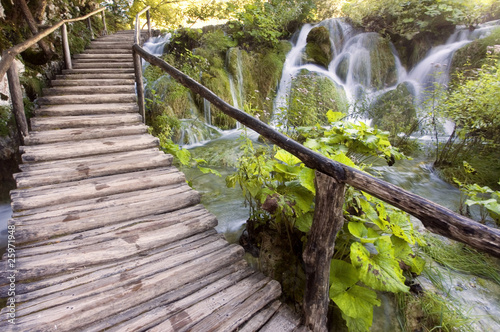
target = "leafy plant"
x: 373, y: 251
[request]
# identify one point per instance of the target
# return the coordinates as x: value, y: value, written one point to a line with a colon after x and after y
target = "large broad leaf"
x: 304, y: 222
x: 364, y: 234
x: 403, y: 252
x: 286, y: 157
x: 306, y: 179
x: 380, y: 271
x: 401, y: 226
x: 302, y: 197
x: 355, y: 302
x: 334, y: 116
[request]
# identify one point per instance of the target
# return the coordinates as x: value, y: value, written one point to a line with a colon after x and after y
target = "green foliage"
x: 472, y: 105
x: 374, y: 249
x: 6, y: 120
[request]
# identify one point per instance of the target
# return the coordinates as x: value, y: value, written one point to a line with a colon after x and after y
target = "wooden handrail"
x: 138, y: 63
x: 9, y: 55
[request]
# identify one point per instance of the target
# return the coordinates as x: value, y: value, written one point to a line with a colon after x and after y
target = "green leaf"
x: 206, y: 170
x: 380, y: 271
x: 401, y: 226
x: 184, y: 156
x: 306, y: 179
x: 286, y: 157
x: 304, y: 222
x: 366, y: 235
x: 334, y: 116
x: 403, y: 251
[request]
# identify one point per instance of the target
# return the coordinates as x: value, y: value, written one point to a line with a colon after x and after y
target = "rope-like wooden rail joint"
x: 9, y: 55
x: 435, y: 217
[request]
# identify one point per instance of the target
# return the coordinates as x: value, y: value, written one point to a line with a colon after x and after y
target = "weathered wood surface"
x: 435, y: 217
x: 108, y: 234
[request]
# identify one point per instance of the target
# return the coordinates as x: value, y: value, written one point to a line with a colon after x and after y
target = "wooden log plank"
x: 87, y: 99
x: 58, y: 151
x: 81, y: 121
x: 91, y: 188
x: 123, y: 279
x: 84, y: 311
x: 95, y: 76
x: 284, y: 320
x: 89, y: 90
x: 75, y: 172
x: 259, y: 319
x: 171, y: 303
x: 91, y: 82
x: 100, y: 57
x: 53, y: 263
x: 68, y: 224
x: 187, y: 318
x: 84, y: 275
x: 179, y: 221
x: 78, y: 134
x: 46, y: 166
x: 98, y: 71
x: 108, y: 51
x: 111, y: 64
x: 49, y: 213
x: 89, y: 109
x: 230, y: 316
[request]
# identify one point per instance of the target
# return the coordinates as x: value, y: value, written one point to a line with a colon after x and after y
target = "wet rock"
x: 319, y: 46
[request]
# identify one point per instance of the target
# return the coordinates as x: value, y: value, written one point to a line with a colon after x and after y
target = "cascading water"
x: 236, y: 89
x: 155, y: 45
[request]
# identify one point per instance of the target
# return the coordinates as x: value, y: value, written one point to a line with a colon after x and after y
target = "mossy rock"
x: 343, y: 68
x: 311, y: 96
x: 394, y: 111
x: 319, y: 46
x: 383, y: 63
x: 474, y: 54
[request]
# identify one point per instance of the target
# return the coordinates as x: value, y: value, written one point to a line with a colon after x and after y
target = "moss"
x: 319, y: 46
x: 383, y: 63
x: 6, y: 120
x: 395, y: 112
x: 474, y: 54
x: 311, y: 97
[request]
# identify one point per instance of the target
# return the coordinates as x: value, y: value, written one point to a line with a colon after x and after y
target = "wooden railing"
x: 331, y: 178
x: 9, y: 55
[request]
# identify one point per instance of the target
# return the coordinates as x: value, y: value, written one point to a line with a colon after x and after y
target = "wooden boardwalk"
x: 108, y: 234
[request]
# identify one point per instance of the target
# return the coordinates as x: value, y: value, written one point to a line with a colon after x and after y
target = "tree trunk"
x: 33, y: 27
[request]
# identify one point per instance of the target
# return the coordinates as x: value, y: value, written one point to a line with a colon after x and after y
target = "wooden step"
x: 91, y: 82
x: 58, y: 151
x: 47, y: 173
x: 96, y: 76
x: 114, y: 57
x: 98, y: 71
x: 79, y: 134
x: 110, y: 45
x: 89, y: 88
x: 88, y: 99
x: 87, y: 109
x: 102, y: 58
x: 108, y: 51
x: 84, y: 65
x: 84, y: 121
x: 91, y: 188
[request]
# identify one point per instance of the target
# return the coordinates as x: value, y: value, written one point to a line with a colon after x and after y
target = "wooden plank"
x: 99, y: 120
x: 259, y: 319
x: 84, y: 275
x: 89, y: 89
x: 101, y: 167
x: 58, y: 151
x: 98, y: 71
x: 91, y: 82
x: 96, y: 76
x: 228, y: 317
x: 79, y: 134
x: 91, y: 188
x: 68, y: 224
x: 140, y: 289
x: 284, y: 320
x: 153, y: 312
x: 88, y: 99
x: 82, y: 65
x: 48, y: 213
x: 184, y: 320
x: 87, y: 109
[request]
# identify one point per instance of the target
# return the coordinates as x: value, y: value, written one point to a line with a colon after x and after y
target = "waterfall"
x: 207, y: 112
x: 236, y: 89
x: 155, y: 45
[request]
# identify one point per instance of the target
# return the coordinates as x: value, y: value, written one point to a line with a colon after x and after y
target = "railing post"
x: 149, y: 24
x: 89, y: 23
x: 139, y: 85
x: 104, y: 22
x: 66, y: 51
x: 328, y: 220
x: 16, y: 96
